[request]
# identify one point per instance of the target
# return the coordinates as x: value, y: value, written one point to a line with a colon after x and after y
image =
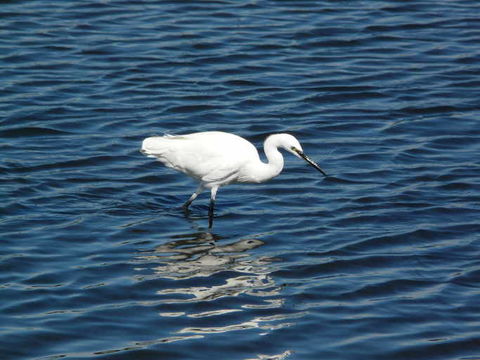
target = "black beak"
x: 310, y: 161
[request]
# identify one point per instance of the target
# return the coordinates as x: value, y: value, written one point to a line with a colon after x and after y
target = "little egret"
x: 215, y: 158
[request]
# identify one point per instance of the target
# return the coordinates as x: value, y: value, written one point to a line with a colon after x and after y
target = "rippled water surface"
x: 381, y: 260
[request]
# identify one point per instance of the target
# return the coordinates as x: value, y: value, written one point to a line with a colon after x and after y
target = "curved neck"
x: 266, y: 171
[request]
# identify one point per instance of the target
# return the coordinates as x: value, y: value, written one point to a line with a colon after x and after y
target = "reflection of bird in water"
x: 199, y: 256
x: 205, y: 279
x: 194, y: 258
x: 215, y: 158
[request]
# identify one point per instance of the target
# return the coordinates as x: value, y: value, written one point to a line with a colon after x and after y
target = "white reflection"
x: 231, y: 284
x: 261, y: 322
x: 272, y: 357
x: 200, y: 255
x: 233, y: 287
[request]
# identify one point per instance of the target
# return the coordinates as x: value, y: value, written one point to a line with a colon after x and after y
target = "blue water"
x: 381, y: 260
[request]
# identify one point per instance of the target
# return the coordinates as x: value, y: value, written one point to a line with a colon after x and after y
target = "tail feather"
x: 155, y: 146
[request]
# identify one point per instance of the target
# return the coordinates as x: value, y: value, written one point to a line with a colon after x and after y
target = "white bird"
x: 215, y: 158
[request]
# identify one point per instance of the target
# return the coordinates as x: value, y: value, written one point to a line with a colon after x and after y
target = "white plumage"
x: 217, y: 158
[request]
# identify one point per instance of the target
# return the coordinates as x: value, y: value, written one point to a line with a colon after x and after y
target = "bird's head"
x: 292, y: 145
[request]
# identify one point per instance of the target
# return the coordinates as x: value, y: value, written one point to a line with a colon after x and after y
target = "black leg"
x: 212, y: 206
x: 193, y: 197
x: 186, y: 205
x: 210, y: 213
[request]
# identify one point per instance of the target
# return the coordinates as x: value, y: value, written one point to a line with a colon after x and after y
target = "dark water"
x: 379, y: 261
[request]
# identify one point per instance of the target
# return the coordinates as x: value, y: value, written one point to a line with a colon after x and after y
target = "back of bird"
x: 207, y: 156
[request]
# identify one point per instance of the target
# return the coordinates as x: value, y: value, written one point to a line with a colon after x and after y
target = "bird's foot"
x: 185, y: 209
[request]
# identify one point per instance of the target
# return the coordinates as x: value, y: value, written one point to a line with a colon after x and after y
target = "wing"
x: 208, y: 156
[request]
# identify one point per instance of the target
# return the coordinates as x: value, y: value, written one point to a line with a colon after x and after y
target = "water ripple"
x: 378, y: 260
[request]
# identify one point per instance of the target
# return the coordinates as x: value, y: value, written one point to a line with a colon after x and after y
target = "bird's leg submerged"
x: 212, y: 206
x: 197, y: 192
x: 193, y: 197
